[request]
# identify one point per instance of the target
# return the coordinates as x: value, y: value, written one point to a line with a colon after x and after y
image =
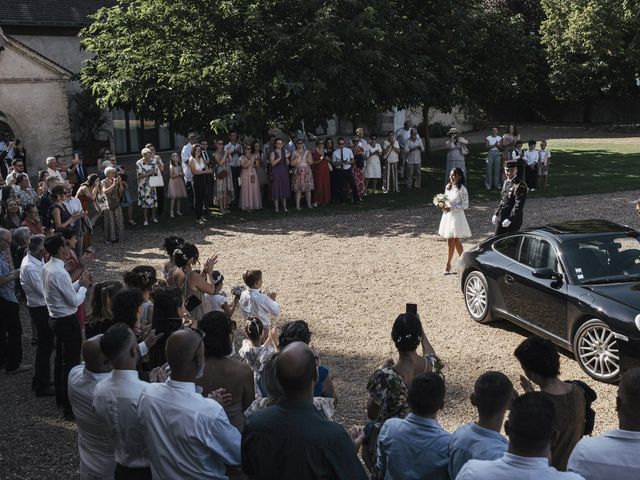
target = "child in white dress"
x: 256, y: 348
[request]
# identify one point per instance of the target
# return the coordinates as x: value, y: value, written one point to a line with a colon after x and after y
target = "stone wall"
x: 33, y: 98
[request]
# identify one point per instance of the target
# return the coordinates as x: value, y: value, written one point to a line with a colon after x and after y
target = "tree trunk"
x: 425, y: 123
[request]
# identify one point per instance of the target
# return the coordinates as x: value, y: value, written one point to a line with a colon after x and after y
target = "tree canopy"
x: 252, y: 63
x: 592, y: 47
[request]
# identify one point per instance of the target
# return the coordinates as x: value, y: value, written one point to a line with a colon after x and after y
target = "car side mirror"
x: 546, y: 273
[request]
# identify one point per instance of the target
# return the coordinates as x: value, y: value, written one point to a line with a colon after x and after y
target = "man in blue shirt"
x: 492, y: 396
x: 416, y: 447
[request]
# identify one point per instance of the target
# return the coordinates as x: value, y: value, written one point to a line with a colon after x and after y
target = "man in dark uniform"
x: 508, y: 216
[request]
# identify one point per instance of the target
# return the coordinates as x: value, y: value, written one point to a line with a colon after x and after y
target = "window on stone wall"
x: 131, y: 134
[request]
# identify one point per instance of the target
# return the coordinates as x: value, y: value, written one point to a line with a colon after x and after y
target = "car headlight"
x: 638, y: 321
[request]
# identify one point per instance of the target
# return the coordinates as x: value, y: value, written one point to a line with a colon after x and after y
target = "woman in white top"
x: 453, y: 225
x: 373, y: 171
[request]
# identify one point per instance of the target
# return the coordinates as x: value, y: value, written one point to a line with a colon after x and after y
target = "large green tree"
x: 593, y: 48
x: 255, y: 63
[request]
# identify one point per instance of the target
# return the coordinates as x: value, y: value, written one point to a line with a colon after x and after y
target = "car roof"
x: 582, y: 228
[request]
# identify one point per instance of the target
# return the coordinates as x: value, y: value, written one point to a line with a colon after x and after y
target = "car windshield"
x: 603, y: 259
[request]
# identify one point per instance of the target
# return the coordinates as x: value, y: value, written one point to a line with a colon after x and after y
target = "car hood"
x: 625, y: 293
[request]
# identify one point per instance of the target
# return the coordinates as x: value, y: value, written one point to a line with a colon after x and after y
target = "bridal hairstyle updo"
x: 143, y: 277
x: 254, y: 328
x: 407, y: 332
x: 187, y: 252
x: 171, y: 244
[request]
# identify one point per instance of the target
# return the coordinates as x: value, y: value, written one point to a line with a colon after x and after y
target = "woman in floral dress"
x: 224, y: 179
x: 302, y: 175
x: 147, y: 198
x: 113, y: 188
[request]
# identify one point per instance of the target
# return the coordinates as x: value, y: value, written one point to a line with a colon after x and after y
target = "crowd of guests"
x: 152, y: 376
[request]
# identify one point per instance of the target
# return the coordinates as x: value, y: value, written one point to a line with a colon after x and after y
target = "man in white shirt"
x: 97, y: 461
x: 492, y: 395
x: 52, y: 169
x: 187, y: 435
x: 413, y: 148
x: 494, y: 160
x: 254, y: 302
x: 116, y: 399
x: 532, y: 429
x: 343, y: 159
x: 17, y: 168
x: 185, y: 155
x: 402, y: 135
x: 235, y: 150
x: 531, y: 157
x: 614, y: 455
x: 31, y: 281
x: 63, y: 297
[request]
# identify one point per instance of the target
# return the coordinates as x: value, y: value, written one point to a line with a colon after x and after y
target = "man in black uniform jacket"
x: 508, y: 216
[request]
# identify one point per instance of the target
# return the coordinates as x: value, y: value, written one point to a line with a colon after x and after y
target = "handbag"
x: 156, y: 181
x: 102, y: 203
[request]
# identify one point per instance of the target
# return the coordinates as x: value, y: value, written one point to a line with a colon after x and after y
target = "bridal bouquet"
x: 441, y: 201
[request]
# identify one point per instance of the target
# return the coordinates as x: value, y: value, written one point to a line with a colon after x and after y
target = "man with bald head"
x: 291, y: 439
x: 614, y: 454
x: 10, y: 326
x: 94, y: 443
x: 187, y: 435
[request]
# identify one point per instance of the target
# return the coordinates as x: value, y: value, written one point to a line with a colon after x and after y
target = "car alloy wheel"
x: 476, y: 297
x: 596, y: 349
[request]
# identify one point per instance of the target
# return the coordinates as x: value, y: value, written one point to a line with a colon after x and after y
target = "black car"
x: 576, y: 283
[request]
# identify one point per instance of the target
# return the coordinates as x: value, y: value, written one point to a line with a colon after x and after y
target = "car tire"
x: 595, y: 347
x: 476, y: 297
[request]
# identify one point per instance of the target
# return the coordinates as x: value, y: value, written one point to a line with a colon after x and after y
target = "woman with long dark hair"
x: 199, y: 170
x: 168, y: 313
x: 453, y: 224
x: 194, y: 284
x: 280, y: 185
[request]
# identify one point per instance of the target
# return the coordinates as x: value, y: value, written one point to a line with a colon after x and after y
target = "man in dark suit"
x: 45, y: 203
x: 508, y: 217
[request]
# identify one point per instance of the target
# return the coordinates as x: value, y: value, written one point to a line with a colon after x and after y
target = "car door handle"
x: 508, y: 279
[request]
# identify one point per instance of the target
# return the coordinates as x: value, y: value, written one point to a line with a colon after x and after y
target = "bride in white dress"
x: 453, y: 225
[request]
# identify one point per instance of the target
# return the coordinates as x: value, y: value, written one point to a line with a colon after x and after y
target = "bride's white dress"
x: 454, y: 223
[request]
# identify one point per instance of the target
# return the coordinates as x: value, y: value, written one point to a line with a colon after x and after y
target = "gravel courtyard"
x: 348, y: 276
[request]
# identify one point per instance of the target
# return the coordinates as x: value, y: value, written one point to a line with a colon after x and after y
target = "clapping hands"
x: 221, y: 396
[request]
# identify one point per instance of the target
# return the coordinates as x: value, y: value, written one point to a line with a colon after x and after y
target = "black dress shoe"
x: 47, y: 392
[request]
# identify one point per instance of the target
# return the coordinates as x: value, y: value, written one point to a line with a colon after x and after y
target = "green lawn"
x: 577, y: 167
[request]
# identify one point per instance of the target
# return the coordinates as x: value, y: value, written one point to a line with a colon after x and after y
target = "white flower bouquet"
x: 441, y: 201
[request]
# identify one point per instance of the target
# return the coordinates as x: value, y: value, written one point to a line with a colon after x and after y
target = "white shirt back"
x: 185, y: 155
x: 188, y: 436
x: 512, y: 467
x: 613, y: 455
x: 115, y: 401
x: 63, y: 297
x: 254, y: 303
x: 94, y: 443
x: 31, y: 280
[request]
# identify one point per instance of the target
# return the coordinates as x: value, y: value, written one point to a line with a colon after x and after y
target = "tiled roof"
x: 58, y: 13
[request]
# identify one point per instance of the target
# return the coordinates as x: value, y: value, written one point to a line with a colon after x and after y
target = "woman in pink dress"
x: 177, y: 189
x: 302, y: 175
x: 321, y: 175
x: 250, y: 198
